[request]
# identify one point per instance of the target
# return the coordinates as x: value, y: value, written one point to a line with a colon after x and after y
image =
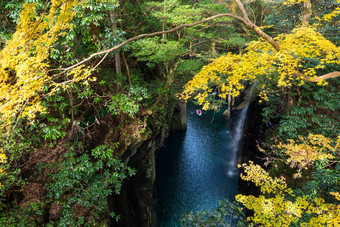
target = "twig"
x: 100, y: 61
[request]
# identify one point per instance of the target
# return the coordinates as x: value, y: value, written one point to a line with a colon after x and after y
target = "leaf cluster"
x: 226, y: 214
x: 85, y: 181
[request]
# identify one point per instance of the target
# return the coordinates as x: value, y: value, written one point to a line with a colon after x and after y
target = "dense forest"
x: 84, y: 81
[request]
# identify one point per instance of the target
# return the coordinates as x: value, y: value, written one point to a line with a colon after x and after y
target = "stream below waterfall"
x: 196, y: 168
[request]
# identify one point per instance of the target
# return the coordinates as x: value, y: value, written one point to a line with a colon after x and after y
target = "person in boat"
x: 199, y: 112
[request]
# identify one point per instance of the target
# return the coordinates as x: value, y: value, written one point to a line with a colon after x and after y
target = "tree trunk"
x: 307, y: 11
x: 290, y: 101
x: 113, y: 18
x: 213, y: 49
x: 163, y: 26
x: 127, y: 68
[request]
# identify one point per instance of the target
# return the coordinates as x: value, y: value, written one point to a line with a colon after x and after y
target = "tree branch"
x: 319, y: 78
x: 149, y: 35
x: 306, y: 16
x: 256, y: 29
x: 245, y: 19
x: 242, y: 9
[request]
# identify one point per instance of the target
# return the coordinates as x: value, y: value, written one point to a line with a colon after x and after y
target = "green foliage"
x: 17, y: 141
x: 235, y: 40
x: 226, y: 214
x: 82, y: 180
x: 128, y: 104
x: 15, y: 144
x: 56, y: 102
x: 29, y: 215
x: 122, y: 103
x: 316, y: 112
x: 322, y: 181
x: 15, y: 7
x: 312, y: 109
x: 85, y: 181
x: 87, y: 34
x: 10, y: 178
x: 155, y: 51
x: 172, y: 12
x: 52, y: 133
x: 189, y: 67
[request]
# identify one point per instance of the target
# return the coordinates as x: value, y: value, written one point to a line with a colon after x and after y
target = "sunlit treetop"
x: 263, y: 64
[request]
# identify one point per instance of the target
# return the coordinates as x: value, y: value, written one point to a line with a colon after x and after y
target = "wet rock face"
x: 179, y: 118
x: 250, y: 152
x: 226, y: 114
x: 135, y: 203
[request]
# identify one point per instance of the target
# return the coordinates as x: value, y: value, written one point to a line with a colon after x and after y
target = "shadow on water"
x: 194, y: 168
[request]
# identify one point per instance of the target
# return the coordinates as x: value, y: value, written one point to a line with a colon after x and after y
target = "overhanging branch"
x: 256, y: 29
x: 245, y: 19
x: 149, y: 35
x: 319, y: 78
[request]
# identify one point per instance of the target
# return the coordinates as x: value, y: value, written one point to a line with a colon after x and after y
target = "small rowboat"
x: 199, y: 112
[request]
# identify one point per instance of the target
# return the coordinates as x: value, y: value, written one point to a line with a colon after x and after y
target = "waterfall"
x: 237, y: 140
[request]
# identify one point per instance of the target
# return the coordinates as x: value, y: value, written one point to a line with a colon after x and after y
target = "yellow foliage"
x: 292, y: 2
x: 263, y: 93
x: 229, y: 73
x: 336, y: 195
x: 3, y: 159
x: 280, y: 206
x: 330, y: 16
x: 306, y: 151
x: 261, y: 178
x: 211, y: 77
x: 24, y: 62
x: 304, y: 43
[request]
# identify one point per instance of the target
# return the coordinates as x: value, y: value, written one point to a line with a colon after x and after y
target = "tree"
x: 77, y: 71
x: 27, y: 59
x: 279, y: 204
x: 261, y: 64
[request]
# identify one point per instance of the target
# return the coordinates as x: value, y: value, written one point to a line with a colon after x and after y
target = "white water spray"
x: 237, y: 140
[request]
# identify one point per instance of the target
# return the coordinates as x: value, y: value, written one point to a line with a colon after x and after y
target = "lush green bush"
x: 226, y: 214
x: 82, y: 182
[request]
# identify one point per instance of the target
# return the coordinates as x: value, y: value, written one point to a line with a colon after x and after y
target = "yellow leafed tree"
x: 24, y: 62
x: 280, y: 206
x: 263, y: 64
x: 306, y: 151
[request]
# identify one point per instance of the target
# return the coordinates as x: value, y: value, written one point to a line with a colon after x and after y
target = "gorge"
x: 196, y: 168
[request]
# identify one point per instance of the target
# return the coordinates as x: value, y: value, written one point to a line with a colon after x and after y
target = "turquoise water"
x: 195, y: 168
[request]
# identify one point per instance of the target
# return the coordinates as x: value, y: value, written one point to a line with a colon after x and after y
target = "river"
x: 195, y: 169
